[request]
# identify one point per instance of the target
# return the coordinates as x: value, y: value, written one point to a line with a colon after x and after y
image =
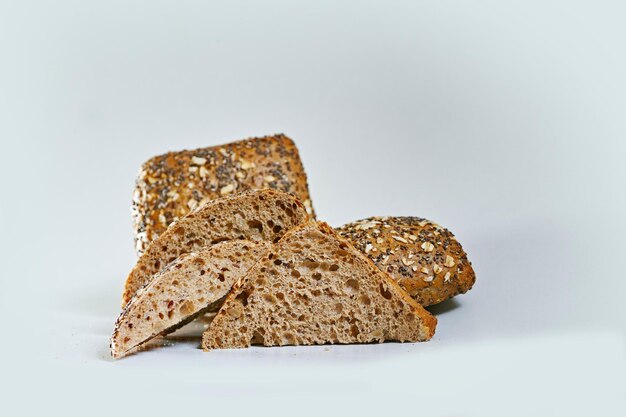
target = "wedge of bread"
x: 423, y: 257
x: 171, y: 185
x: 182, y: 291
x: 314, y: 287
x: 251, y: 215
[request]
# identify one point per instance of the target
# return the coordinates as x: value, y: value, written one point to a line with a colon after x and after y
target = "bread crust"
x: 171, y: 185
x: 424, y: 258
x: 253, y: 215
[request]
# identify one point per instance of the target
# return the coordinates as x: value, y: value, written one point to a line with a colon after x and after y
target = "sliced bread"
x: 423, y: 257
x: 314, y: 287
x: 252, y: 215
x: 182, y: 291
x: 171, y: 185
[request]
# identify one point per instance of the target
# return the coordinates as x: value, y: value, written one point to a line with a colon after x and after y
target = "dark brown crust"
x: 171, y: 185
x: 401, y: 246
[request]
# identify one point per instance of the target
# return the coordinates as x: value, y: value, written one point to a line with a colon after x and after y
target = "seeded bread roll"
x: 171, y: 185
x: 182, y: 291
x: 251, y: 215
x: 423, y: 257
x: 314, y: 287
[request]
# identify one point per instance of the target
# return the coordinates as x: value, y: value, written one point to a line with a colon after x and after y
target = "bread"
x: 182, y: 291
x: 252, y: 215
x: 423, y: 257
x: 171, y: 185
x: 314, y: 287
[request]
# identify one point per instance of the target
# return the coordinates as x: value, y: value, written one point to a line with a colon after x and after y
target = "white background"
x: 502, y: 120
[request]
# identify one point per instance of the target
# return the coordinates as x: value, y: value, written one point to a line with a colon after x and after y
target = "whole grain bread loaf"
x: 251, y: 215
x: 182, y: 291
x: 423, y: 257
x: 314, y: 287
x: 171, y: 185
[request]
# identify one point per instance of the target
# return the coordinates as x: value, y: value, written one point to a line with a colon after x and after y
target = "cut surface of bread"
x: 423, y: 257
x: 182, y: 291
x: 314, y: 287
x: 252, y: 215
x: 171, y: 185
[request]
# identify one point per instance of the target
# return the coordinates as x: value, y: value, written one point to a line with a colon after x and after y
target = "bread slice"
x: 182, y: 291
x: 171, y: 185
x: 314, y: 287
x: 252, y: 215
x: 423, y: 257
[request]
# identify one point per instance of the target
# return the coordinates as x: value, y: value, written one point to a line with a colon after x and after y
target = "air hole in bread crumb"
x: 317, y: 276
x: 255, y: 224
x: 310, y: 264
x: 276, y: 229
x: 269, y: 298
x: 187, y: 307
x: 352, y: 285
x: 221, y: 277
x: 219, y: 239
x: 384, y: 292
x: 289, y: 338
x: 243, y: 297
x: 334, y: 267
x: 295, y: 273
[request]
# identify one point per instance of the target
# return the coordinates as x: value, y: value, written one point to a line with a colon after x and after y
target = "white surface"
x: 503, y: 121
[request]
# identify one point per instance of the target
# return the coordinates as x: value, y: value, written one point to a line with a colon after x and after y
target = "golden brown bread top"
x: 423, y: 257
x: 171, y: 185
